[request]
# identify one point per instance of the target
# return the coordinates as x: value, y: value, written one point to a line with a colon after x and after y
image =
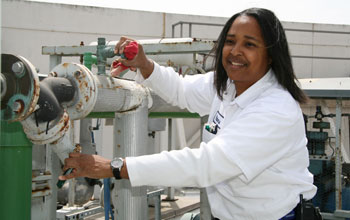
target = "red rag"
x: 130, y: 52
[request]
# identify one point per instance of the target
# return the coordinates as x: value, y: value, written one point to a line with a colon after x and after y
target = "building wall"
x: 27, y: 26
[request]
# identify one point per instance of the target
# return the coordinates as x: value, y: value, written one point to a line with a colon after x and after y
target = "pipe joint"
x: 53, y: 92
x: 78, y: 90
x: 103, y: 52
x: 19, y: 88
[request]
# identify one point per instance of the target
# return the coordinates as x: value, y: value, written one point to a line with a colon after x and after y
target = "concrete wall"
x: 27, y: 26
x: 327, y: 41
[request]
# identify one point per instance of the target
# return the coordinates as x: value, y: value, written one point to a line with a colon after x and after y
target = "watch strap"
x: 116, y: 173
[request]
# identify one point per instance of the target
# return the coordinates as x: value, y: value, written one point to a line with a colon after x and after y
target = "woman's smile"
x: 244, y: 55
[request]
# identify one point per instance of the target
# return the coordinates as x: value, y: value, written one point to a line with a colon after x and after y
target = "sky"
x: 310, y: 11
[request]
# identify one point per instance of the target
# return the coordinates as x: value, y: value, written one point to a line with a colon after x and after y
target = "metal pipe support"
x: 130, y: 133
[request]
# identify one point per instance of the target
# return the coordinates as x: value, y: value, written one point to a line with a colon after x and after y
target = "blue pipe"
x: 107, y: 199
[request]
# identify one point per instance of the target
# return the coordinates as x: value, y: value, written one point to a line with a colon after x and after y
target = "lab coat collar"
x: 253, y: 91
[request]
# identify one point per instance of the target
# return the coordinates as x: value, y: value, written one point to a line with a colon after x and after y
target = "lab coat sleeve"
x: 243, y: 149
x: 194, y: 92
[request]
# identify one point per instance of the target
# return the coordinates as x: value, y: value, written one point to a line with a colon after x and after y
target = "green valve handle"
x: 60, y: 183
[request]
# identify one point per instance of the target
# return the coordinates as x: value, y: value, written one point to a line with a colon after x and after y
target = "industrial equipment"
x: 47, y: 109
x: 329, y: 160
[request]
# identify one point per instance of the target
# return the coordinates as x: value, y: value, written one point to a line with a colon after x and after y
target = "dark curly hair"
x: 277, y: 49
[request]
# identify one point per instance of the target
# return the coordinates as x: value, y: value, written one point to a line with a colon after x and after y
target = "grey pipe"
x: 130, y: 133
x: 118, y: 95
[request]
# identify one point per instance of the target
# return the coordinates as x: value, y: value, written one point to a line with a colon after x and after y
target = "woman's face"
x: 244, y: 55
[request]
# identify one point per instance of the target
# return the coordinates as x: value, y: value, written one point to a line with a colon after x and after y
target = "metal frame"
x: 151, y: 47
x: 181, y: 23
x: 157, y: 205
x: 84, y: 213
x: 332, y: 89
x: 190, y: 24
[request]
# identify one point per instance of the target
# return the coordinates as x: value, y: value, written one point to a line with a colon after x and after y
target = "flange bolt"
x: 18, y: 69
x: 78, y: 74
x: 17, y: 106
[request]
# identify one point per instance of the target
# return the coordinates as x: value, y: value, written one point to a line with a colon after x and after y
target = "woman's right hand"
x: 140, y: 61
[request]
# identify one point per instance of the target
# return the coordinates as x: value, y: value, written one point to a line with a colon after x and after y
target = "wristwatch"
x: 116, y: 165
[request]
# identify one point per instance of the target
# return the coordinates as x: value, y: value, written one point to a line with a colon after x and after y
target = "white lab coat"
x: 255, y: 167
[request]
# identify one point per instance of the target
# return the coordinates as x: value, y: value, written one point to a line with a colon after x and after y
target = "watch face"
x: 117, y: 163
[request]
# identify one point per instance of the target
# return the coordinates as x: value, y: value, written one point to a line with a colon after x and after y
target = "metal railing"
x: 190, y: 24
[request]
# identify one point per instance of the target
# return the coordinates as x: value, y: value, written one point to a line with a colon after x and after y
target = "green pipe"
x: 15, y: 172
x: 173, y: 115
x: 102, y: 53
x: 101, y: 115
x: 89, y: 59
x: 151, y: 115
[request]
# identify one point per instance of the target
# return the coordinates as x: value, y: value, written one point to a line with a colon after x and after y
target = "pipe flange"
x: 85, y: 88
x: 3, y: 85
x: 44, y: 132
x: 21, y: 81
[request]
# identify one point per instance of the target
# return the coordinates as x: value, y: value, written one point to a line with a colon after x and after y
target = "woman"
x: 253, y: 160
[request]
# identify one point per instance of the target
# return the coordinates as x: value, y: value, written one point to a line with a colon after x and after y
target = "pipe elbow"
x: 53, y: 91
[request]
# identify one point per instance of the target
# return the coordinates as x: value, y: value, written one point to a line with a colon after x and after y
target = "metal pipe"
x: 205, y: 212
x: 173, y: 31
x: 150, y: 115
x: 181, y: 35
x: 89, y: 59
x: 82, y: 188
x: 190, y: 30
x: 157, y: 208
x: 338, y: 155
x: 317, y: 31
x: 171, y: 190
x: 118, y: 95
x: 71, y: 192
x: 181, y: 23
x: 130, y: 133
x: 157, y: 203
x: 16, y: 172
x: 62, y: 144
x: 321, y: 58
x: 102, y: 54
x: 53, y: 91
x: 107, y: 198
x: 101, y: 61
x: 198, y: 23
x: 55, y: 59
x: 151, y: 47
